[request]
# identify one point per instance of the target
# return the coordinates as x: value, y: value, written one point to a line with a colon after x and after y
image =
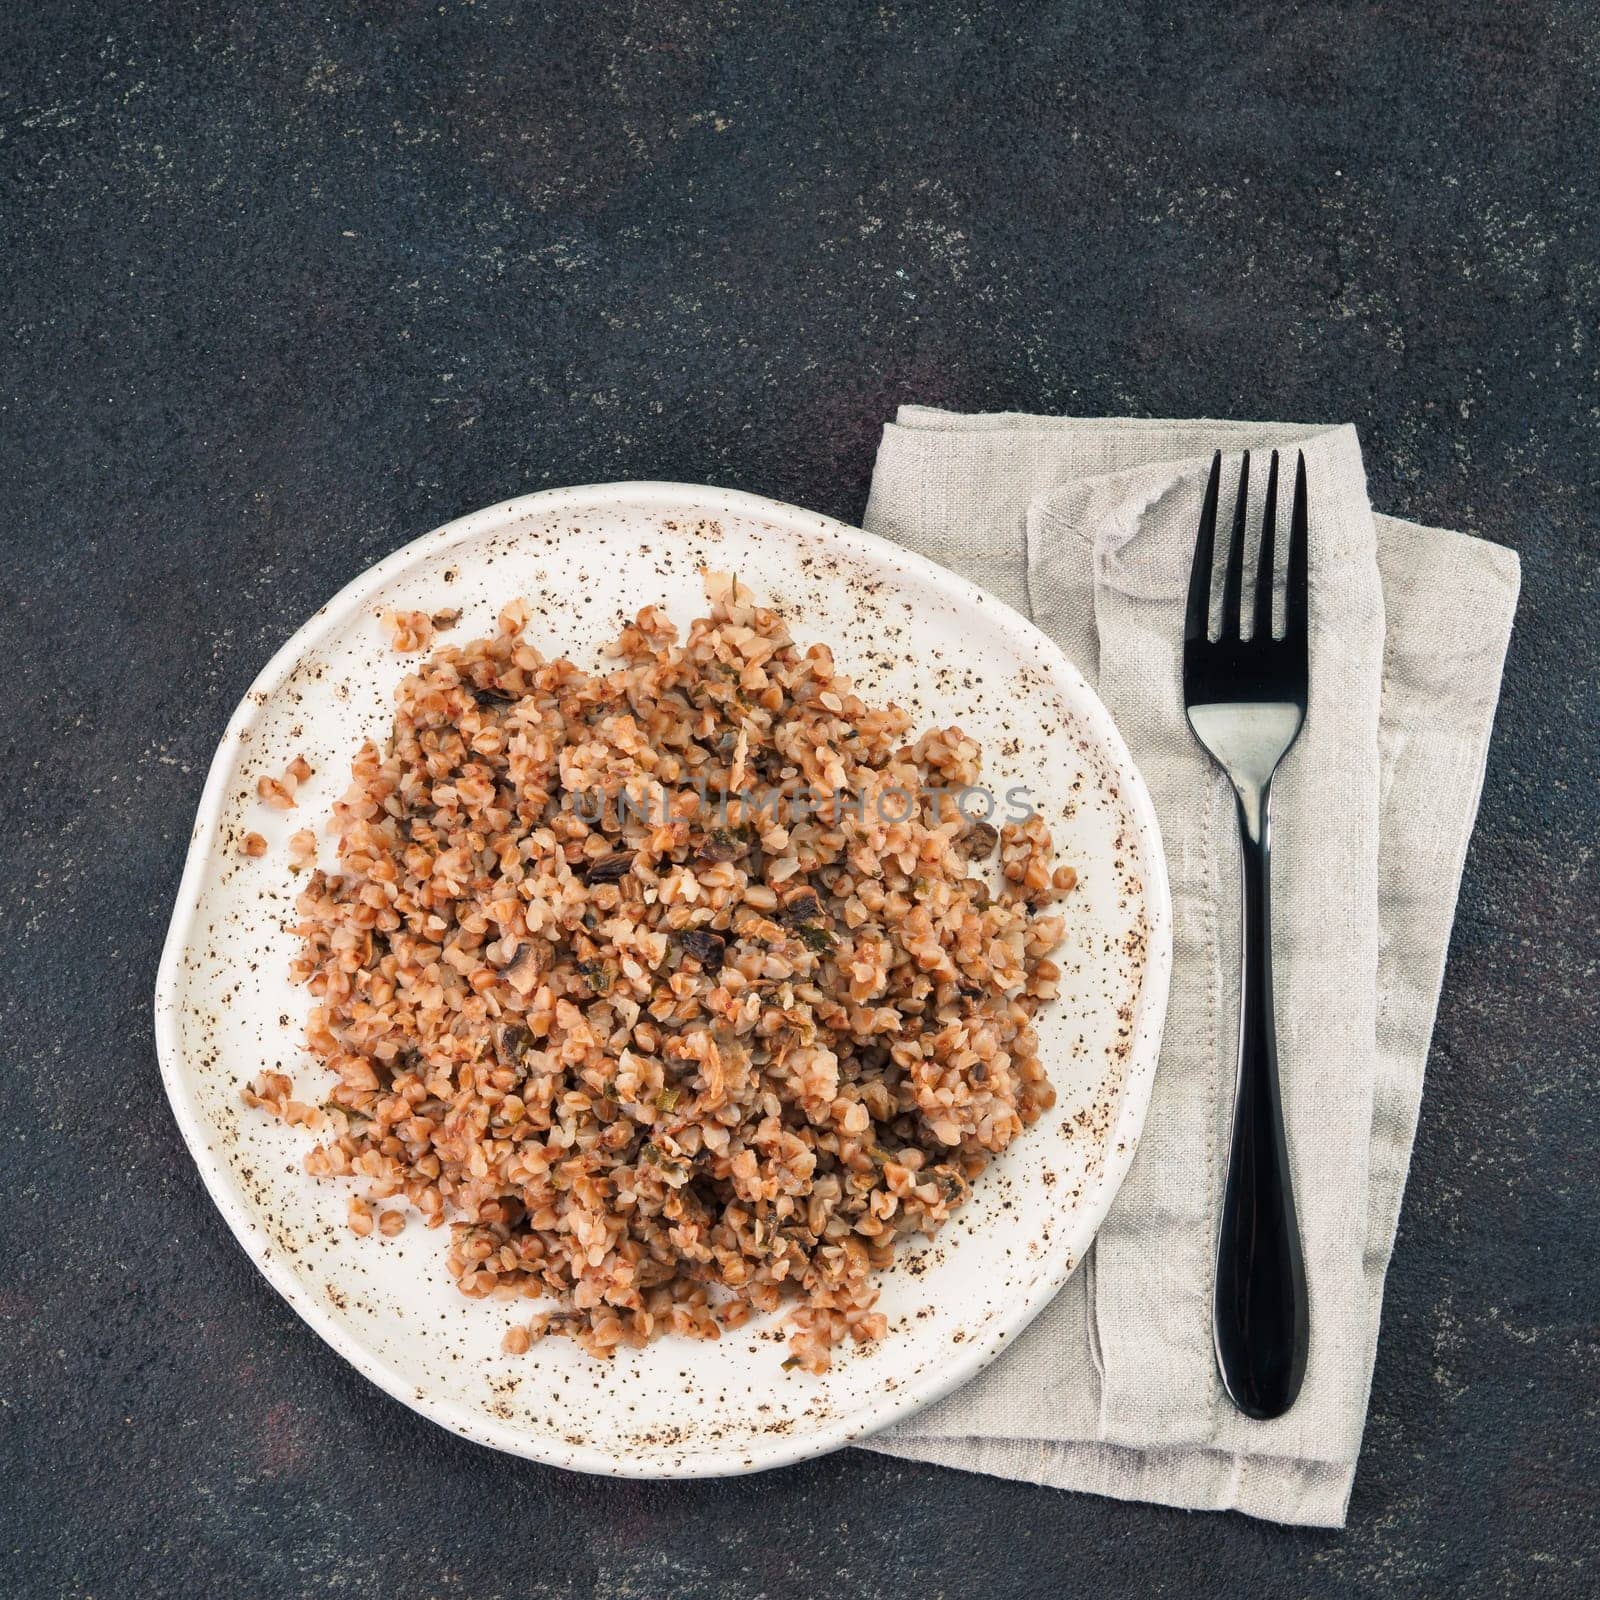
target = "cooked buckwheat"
x: 657, y: 1040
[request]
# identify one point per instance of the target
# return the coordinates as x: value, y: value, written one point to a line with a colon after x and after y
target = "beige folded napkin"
x: 1088, y: 528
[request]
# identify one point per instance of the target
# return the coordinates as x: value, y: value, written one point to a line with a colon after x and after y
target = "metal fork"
x: 1246, y: 700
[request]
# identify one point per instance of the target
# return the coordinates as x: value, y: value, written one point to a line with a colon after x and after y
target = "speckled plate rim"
x: 1139, y: 1068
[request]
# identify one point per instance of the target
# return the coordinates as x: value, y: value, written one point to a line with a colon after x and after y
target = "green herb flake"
x: 598, y: 976
x: 816, y: 938
x: 351, y: 1117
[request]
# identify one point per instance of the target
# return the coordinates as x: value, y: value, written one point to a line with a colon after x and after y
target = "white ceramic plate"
x: 906, y: 629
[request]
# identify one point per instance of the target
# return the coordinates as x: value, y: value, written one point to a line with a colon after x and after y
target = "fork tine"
x: 1266, y: 569
x: 1296, y: 602
x: 1233, y: 578
x: 1197, y: 620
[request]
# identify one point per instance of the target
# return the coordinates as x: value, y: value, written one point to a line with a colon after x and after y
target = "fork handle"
x: 1259, y: 1318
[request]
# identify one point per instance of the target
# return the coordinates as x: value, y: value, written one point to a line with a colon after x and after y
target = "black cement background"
x: 286, y: 285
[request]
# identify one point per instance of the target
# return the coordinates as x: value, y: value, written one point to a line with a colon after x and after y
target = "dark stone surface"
x: 287, y: 285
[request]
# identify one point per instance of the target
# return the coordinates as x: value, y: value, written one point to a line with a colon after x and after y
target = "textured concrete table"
x: 286, y: 285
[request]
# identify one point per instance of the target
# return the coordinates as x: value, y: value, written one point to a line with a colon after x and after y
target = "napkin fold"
x: 1088, y: 528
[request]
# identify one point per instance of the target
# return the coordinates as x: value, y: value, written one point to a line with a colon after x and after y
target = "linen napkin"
x: 1088, y: 528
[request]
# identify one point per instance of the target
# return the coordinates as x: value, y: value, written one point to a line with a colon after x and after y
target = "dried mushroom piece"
x: 706, y: 948
x: 609, y: 868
